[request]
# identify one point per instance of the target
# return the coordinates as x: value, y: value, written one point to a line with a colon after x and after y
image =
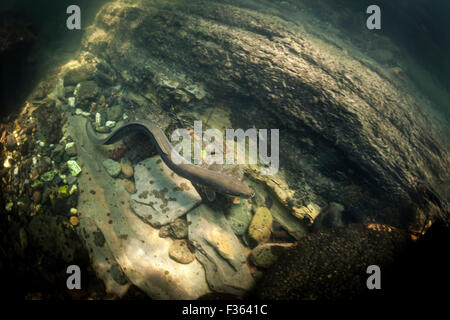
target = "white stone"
x: 110, y: 124
x: 71, y: 102
x: 98, y: 119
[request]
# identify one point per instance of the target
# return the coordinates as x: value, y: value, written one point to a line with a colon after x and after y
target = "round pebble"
x: 74, y: 221
x: 127, y: 169
x: 129, y: 186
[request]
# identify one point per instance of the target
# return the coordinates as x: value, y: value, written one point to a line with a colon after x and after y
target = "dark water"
x: 43, y: 23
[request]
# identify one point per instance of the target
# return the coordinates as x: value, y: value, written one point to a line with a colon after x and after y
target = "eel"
x: 216, y: 181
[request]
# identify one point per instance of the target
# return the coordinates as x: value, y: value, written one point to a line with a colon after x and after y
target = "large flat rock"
x: 119, y: 240
x: 219, y: 251
x: 161, y: 196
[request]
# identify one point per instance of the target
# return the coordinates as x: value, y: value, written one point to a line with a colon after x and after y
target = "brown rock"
x: 36, y: 196
x: 129, y: 186
x: 11, y: 141
x: 127, y: 168
x: 164, y: 232
x: 179, y: 251
x: 74, y: 221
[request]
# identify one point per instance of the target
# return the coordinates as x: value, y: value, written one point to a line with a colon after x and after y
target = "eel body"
x: 215, y: 180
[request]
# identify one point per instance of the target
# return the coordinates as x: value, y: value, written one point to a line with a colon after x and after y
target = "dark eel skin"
x: 215, y: 180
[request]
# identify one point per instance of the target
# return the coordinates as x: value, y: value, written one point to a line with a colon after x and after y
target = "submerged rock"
x: 86, y: 91
x: 48, y: 176
x: 124, y: 238
x: 179, y: 229
x: 161, y: 196
x: 219, y: 251
x: 77, y: 74
x: 127, y: 168
x: 309, y: 212
x: 261, y: 225
x: 264, y: 255
x: 74, y: 168
x: 129, y: 186
x: 110, y: 124
x: 180, y: 252
x: 71, y: 149
x: 112, y: 167
x: 330, y: 217
x: 63, y: 191
x: 239, y: 217
x: 75, y: 221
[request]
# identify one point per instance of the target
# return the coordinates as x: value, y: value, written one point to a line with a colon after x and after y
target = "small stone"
x: 110, y: 124
x: 74, y: 168
x: 179, y: 229
x: 71, y: 102
x: 129, y: 186
x: 98, y: 119
x: 11, y: 141
x: 103, y: 129
x: 73, y: 189
x: 180, y: 252
x: 112, y: 167
x: 127, y: 168
x: 86, y: 90
x: 71, y: 149
x: 164, y: 231
x: 9, y: 206
x: 71, y: 180
x: 48, y: 176
x: 63, y: 191
x: 261, y: 224
x: 36, y: 196
x: 239, y: 217
x: 264, y: 255
x: 78, y: 111
x: 74, y: 221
